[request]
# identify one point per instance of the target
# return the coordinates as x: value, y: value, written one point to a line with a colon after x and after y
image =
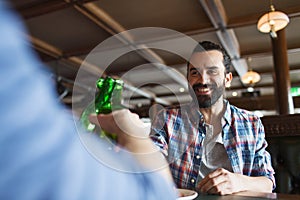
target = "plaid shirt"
x: 180, y: 132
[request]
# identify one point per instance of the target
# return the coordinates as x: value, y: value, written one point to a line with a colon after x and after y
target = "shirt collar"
x: 227, y: 114
x: 196, y: 115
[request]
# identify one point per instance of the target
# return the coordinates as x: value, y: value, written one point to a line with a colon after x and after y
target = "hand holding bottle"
x: 127, y: 125
x: 109, y: 98
x: 133, y: 135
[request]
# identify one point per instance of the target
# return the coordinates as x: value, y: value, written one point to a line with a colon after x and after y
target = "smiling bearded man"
x: 211, y: 145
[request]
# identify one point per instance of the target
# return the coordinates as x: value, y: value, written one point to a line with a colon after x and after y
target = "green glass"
x: 109, y: 98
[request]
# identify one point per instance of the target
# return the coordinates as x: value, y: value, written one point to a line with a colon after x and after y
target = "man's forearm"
x: 149, y: 156
x: 258, y: 184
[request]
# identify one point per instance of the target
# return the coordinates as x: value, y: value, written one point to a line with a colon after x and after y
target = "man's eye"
x: 212, y: 71
x: 194, y: 72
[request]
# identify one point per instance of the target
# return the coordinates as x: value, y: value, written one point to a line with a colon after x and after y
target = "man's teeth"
x: 203, y: 89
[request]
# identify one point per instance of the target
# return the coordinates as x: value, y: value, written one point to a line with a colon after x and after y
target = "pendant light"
x: 251, y: 77
x: 272, y: 21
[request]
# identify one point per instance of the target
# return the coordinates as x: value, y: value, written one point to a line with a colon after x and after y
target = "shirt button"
x: 198, y: 157
x: 192, y: 180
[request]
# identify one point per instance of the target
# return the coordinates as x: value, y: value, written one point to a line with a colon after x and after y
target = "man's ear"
x: 228, y: 79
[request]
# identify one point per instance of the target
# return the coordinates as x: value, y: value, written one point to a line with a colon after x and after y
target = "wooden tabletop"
x: 249, y: 196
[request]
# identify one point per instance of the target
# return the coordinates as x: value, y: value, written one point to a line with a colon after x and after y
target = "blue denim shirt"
x: 41, y: 154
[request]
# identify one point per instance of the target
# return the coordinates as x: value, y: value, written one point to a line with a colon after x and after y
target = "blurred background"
x: 65, y: 32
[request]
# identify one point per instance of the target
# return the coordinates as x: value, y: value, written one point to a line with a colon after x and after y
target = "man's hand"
x: 220, y: 182
x: 128, y: 127
x: 133, y: 135
x: 223, y: 182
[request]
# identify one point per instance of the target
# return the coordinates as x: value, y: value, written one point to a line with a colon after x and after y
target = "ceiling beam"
x: 268, y: 85
x: 105, y: 21
x: 237, y: 22
x: 57, y: 53
x: 270, y: 71
x: 217, y: 15
x: 250, y: 20
x: 39, y: 8
x: 171, y: 94
x: 268, y: 52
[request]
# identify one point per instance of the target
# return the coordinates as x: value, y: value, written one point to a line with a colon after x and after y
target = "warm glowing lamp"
x: 250, y: 78
x: 272, y: 21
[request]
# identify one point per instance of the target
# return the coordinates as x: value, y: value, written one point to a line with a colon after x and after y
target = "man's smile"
x: 200, y: 89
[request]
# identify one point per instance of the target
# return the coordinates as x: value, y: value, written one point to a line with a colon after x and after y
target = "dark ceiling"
x: 79, y: 40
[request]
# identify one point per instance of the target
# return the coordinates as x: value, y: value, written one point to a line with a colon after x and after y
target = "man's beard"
x: 206, y: 101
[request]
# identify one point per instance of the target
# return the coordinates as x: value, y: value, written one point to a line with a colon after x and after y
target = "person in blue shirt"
x: 42, y: 155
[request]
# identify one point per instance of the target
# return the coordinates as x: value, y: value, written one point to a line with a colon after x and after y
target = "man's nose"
x: 203, y: 78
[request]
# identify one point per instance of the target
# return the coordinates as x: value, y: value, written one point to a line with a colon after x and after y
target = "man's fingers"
x: 121, y: 121
x: 93, y: 119
x: 211, y: 182
x: 220, y: 189
x: 211, y: 175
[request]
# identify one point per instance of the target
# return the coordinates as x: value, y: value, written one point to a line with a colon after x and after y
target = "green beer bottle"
x: 109, y: 98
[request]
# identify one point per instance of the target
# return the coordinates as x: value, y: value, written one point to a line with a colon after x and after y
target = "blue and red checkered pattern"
x: 179, y: 133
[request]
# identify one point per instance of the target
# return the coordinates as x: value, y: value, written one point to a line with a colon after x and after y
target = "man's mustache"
x: 200, y: 85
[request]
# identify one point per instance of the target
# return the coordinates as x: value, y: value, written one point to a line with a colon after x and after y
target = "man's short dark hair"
x: 207, y: 46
